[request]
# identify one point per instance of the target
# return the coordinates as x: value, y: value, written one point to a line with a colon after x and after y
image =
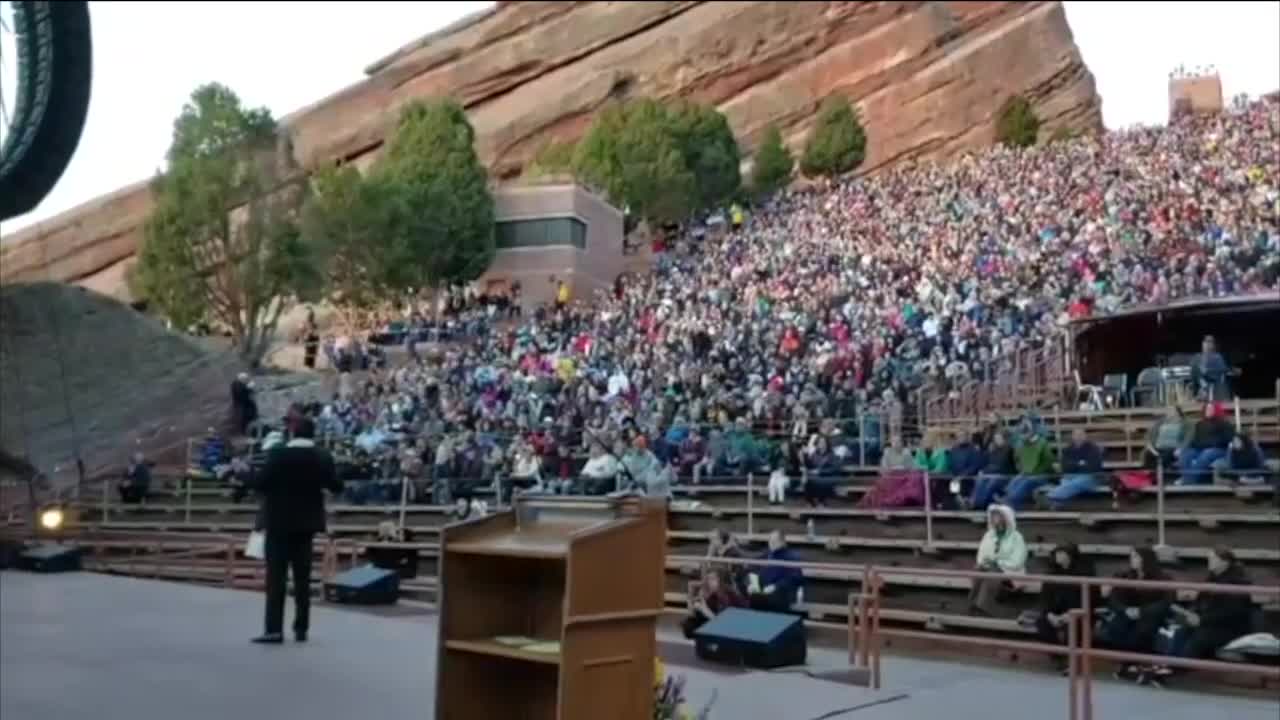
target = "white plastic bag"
x: 256, y: 546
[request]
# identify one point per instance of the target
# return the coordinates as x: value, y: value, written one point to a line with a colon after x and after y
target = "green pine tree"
x: 773, y: 163
x: 838, y: 143
x: 222, y: 244
x: 1018, y: 125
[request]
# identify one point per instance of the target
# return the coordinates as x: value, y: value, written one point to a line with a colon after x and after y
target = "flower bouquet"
x: 670, y: 702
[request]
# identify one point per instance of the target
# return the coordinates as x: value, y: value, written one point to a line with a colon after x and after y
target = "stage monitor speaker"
x: 403, y: 560
x: 752, y: 638
x: 50, y: 558
x: 365, y: 585
x: 10, y: 551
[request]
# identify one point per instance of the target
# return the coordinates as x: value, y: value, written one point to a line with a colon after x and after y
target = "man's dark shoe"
x: 300, y: 635
x: 269, y: 639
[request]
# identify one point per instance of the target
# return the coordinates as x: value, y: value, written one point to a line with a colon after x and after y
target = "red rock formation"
x: 927, y: 76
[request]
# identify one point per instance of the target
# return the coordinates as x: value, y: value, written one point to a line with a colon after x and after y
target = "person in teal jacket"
x: 1035, y: 461
x: 933, y: 459
x: 931, y: 456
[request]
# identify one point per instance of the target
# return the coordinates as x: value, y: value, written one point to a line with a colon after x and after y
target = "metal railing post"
x: 106, y: 500
x: 326, y: 559
x: 875, y: 629
x: 751, y: 505
x: 1073, y: 665
x: 864, y: 620
x: 404, y: 500
x: 1160, y: 539
x: 862, y: 439
x: 855, y: 612
x: 928, y: 511
x: 187, y: 508
x: 229, y: 579
x: 1086, y: 644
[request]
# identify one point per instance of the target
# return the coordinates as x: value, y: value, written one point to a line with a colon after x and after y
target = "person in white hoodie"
x: 598, y: 475
x: 1002, y: 550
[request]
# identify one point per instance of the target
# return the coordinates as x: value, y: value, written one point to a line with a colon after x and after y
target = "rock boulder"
x: 928, y: 77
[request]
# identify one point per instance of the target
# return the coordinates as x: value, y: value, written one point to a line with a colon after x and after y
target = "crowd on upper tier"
x: 770, y: 344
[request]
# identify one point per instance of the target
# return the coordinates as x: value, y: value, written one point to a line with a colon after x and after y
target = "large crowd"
x: 789, y: 347
x: 796, y: 339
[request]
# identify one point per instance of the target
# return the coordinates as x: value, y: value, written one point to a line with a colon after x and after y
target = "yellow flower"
x: 659, y: 672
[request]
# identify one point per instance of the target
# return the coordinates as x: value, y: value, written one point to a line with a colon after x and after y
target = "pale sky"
x: 148, y: 57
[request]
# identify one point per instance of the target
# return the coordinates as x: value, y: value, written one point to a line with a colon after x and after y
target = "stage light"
x: 51, y: 519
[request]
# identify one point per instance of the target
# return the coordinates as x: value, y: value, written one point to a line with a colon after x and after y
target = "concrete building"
x: 548, y: 234
x: 1195, y: 93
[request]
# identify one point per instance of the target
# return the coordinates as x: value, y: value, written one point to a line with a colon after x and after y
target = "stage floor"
x: 83, y: 646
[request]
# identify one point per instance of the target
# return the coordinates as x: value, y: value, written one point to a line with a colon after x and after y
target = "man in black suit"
x: 292, y: 485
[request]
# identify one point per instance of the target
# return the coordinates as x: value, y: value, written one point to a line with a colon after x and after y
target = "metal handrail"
x: 866, y: 634
x: 1036, y: 373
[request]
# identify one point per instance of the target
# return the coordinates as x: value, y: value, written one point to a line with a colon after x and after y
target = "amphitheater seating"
x: 185, y: 528
x: 1121, y: 433
x: 886, y: 538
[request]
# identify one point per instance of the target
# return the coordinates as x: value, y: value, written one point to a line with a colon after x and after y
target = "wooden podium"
x: 548, y: 611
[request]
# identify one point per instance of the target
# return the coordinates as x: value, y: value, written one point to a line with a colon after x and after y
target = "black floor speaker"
x: 403, y: 560
x: 50, y: 558
x: 10, y: 551
x: 365, y: 585
x: 753, y: 639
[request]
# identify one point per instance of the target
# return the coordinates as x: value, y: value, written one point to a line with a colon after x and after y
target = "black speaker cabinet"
x: 50, y: 558
x: 365, y: 585
x: 403, y: 560
x: 9, y: 553
x: 753, y: 639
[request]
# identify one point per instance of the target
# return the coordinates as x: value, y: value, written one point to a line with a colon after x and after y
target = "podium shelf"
x: 539, y: 541
x: 497, y: 649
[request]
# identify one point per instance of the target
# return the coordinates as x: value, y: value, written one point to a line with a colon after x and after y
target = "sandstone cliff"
x: 927, y: 76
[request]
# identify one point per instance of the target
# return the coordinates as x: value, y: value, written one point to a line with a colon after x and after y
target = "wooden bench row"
x: 829, y: 542
x: 759, y: 489
x: 215, y: 569
x: 1207, y: 520
x: 1038, y: 549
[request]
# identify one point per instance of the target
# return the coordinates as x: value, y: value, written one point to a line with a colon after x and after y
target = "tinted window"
x: 541, y: 232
